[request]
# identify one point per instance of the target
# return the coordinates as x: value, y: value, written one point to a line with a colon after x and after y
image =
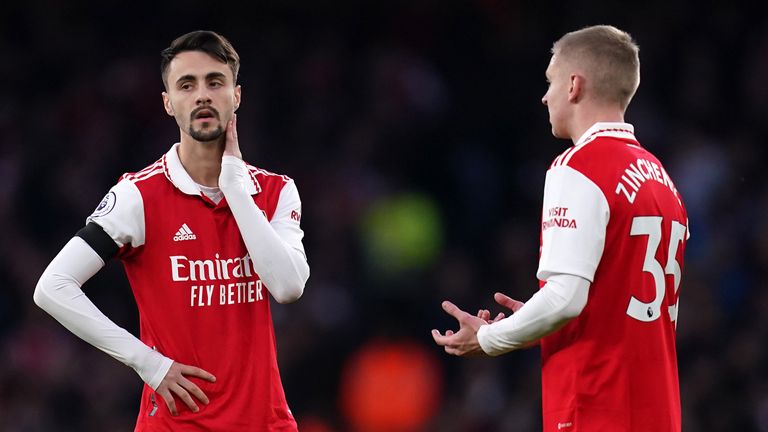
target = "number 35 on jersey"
x: 651, y: 226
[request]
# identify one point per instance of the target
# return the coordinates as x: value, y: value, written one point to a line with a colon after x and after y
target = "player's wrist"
x: 482, y: 340
x: 231, y: 159
x: 153, y: 367
x: 232, y: 176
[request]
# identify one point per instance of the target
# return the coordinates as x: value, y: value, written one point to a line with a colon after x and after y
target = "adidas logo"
x: 184, y: 233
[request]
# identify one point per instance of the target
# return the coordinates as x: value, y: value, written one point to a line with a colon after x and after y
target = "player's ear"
x: 576, y: 88
x: 238, y: 93
x: 167, y: 104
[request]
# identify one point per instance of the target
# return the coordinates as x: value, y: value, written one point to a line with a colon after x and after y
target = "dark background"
x: 416, y: 136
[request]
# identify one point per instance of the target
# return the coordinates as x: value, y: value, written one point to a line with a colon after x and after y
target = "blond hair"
x: 609, y: 58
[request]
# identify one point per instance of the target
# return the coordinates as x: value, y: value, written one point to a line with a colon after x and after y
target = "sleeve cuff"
x: 482, y: 339
x: 156, y: 369
x: 232, y: 175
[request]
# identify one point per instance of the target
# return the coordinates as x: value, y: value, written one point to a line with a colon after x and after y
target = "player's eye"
x: 216, y: 84
x: 185, y: 86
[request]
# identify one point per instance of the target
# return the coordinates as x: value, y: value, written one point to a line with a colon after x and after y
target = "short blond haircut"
x: 609, y: 57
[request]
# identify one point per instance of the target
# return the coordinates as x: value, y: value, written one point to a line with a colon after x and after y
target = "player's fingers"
x: 166, y: 395
x: 507, y: 302
x: 187, y: 370
x: 184, y: 396
x: 194, y: 390
x: 230, y: 136
x: 484, y: 314
x: 453, y: 310
x: 499, y: 317
x: 231, y: 146
x: 452, y: 350
x: 440, y: 339
x: 449, y: 332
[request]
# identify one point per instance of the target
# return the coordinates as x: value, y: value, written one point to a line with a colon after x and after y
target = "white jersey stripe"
x: 134, y: 179
x: 149, y: 168
x: 575, y: 150
x: 256, y: 183
x: 147, y: 175
x: 146, y: 171
x: 261, y: 171
x: 558, y: 161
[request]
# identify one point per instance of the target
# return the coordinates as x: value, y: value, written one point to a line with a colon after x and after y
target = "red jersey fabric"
x: 614, y: 367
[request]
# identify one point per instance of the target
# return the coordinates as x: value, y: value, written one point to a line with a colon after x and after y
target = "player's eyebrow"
x: 213, y: 75
x: 208, y: 76
x: 185, y: 78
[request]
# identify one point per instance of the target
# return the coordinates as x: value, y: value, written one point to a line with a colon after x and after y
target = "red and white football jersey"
x: 612, y: 215
x: 200, y: 301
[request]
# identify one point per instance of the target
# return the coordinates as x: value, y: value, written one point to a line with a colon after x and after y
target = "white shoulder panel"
x: 574, y: 220
x: 121, y: 214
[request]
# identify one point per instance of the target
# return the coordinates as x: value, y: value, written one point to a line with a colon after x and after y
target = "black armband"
x: 98, y: 240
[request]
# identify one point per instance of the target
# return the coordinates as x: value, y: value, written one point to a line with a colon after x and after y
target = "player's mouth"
x: 205, y: 114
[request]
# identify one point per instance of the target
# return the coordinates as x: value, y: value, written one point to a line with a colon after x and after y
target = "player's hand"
x: 463, y: 342
x: 231, y: 145
x: 176, y: 383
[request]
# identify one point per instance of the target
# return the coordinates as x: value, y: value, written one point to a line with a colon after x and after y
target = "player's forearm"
x: 58, y: 293
x: 560, y: 300
x: 283, y: 269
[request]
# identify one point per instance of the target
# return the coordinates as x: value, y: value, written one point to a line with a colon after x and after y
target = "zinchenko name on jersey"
x: 637, y: 173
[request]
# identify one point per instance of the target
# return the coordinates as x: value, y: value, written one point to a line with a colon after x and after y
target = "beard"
x: 206, y: 135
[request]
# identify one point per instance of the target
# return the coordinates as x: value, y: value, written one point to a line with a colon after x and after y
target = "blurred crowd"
x: 416, y: 136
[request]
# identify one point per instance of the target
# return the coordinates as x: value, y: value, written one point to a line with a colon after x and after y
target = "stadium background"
x: 415, y: 133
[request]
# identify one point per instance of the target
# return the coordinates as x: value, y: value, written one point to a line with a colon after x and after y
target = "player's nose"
x: 203, y: 97
x: 544, y: 99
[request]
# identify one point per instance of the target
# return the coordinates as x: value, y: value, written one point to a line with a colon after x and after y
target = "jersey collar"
x: 609, y: 129
x: 177, y: 175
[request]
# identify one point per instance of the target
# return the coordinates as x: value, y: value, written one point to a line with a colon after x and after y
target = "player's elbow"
x: 41, y: 296
x: 48, y: 291
x: 289, y: 294
x: 574, y: 307
x: 293, y: 288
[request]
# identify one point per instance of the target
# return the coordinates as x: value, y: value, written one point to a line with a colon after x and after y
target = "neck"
x: 201, y: 160
x: 584, y: 119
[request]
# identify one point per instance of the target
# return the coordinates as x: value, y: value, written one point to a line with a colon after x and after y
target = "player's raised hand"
x: 464, y: 341
x: 231, y: 145
x: 176, y: 383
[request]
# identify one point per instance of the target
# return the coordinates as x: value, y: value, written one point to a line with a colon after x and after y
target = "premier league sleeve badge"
x: 106, y: 205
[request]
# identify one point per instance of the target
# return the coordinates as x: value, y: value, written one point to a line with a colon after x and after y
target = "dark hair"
x: 211, y: 43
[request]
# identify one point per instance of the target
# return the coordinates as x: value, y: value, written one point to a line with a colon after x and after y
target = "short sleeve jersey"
x: 613, y: 216
x: 200, y: 301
